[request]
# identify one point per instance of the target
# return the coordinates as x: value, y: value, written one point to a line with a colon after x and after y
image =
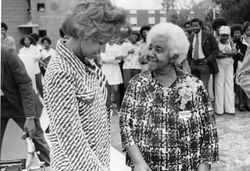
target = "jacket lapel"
x: 2, y: 73
x: 203, y: 38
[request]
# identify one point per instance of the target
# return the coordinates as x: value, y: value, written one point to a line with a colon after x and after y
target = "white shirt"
x: 110, y: 67
x: 201, y: 54
x: 132, y: 60
x: 30, y: 57
x: 45, y: 53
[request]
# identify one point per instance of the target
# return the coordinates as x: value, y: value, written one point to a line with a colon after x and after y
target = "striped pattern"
x: 75, y: 97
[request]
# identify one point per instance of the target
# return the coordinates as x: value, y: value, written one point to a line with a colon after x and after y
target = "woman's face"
x: 158, y: 54
x: 224, y: 38
x: 46, y: 44
x: 91, y: 47
x: 236, y: 35
x: 248, y: 31
x: 133, y: 38
x: 27, y: 42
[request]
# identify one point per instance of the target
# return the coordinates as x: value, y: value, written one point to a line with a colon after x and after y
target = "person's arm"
x: 24, y: 84
x: 13, y: 44
x: 106, y: 58
x: 137, y: 159
x: 214, y: 48
x: 244, y: 76
x: 127, y: 125
x: 209, y: 136
x: 65, y: 122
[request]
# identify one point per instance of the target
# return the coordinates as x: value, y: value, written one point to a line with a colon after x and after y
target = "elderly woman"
x: 75, y: 89
x: 166, y: 119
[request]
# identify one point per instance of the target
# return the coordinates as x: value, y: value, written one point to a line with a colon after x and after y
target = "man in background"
x: 5, y: 38
x: 202, y: 52
x: 20, y: 103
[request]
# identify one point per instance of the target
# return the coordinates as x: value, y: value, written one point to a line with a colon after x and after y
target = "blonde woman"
x: 75, y: 89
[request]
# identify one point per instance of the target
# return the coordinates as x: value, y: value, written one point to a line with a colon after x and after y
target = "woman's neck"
x: 75, y: 46
x: 166, y: 77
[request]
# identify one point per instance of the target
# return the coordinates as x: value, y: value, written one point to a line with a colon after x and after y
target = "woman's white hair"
x: 176, y: 39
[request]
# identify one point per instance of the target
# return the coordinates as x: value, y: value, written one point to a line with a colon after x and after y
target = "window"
x: 133, y: 20
x: 40, y: 7
x: 152, y: 12
x: 163, y: 19
x: 42, y: 33
x: 162, y: 12
x: 151, y: 20
x: 133, y: 12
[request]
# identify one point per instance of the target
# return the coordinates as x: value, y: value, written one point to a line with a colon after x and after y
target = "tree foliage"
x: 236, y: 11
x: 179, y: 12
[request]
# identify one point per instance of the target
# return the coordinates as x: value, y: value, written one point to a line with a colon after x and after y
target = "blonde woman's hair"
x: 98, y: 18
x: 176, y: 39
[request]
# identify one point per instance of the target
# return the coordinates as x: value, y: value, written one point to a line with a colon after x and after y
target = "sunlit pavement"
x: 234, y: 141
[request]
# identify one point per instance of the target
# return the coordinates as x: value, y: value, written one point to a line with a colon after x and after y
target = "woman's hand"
x: 142, y: 167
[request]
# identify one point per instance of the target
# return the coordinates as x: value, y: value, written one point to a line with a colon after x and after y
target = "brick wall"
x: 14, y: 13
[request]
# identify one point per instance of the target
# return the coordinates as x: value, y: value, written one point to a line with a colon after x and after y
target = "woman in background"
x: 111, y: 69
x: 31, y: 57
x: 46, y: 53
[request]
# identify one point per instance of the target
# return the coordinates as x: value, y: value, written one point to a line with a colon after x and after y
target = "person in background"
x: 202, y: 52
x: 20, y: 102
x: 216, y: 24
x: 5, y: 38
x: 31, y: 57
x: 143, y: 47
x: 224, y: 84
x: 187, y: 28
x: 241, y: 47
x: 246, y: 31
x: 110, y: 67
x: 46, y: 53
x: 166, y: 119
x: 75, y: 89
x: 244, y: 76
x: 130, y: 53
x: 36, y: 43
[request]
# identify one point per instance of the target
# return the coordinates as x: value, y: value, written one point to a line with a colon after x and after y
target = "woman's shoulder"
x: 142, y: 77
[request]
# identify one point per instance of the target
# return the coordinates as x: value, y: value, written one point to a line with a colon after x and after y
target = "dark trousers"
x: 201, y: 70
x: 127, y: 75
x: 40, y: 143
x: 243, y: 99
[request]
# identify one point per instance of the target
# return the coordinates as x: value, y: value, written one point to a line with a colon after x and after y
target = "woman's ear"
x: 174, y: 58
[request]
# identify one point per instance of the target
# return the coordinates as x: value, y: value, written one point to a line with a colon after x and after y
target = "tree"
x: 180, y: 11
x: 235, y: 11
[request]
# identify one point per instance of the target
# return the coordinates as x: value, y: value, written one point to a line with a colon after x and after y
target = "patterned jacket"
x: 75, y: 94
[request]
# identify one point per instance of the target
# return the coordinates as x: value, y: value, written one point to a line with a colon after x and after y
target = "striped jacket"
x: 75, y: 96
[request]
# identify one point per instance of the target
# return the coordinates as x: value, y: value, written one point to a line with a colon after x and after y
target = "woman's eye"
x: 158, y: 50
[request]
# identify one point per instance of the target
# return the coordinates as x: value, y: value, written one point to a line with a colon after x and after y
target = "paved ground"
x: 234, y: 139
